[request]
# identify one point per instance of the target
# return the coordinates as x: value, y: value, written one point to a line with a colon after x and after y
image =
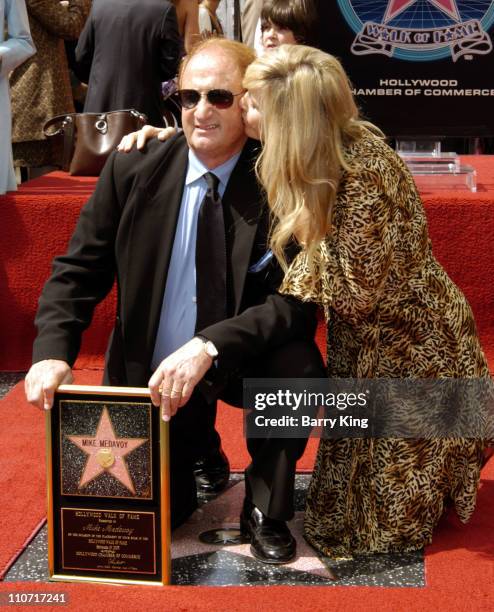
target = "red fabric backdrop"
x: 38, y: 220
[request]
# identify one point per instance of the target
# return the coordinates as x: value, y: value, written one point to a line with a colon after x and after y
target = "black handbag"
x: 89, y: 138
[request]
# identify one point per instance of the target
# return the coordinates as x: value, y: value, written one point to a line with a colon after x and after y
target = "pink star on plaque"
x: 106, y: 453
x: 395, y: 7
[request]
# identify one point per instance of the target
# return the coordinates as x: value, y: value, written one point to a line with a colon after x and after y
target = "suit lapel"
x: 243, y: 198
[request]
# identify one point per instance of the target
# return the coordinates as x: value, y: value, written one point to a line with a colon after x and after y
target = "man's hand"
x: 43, y: 379
x: 174, y: 380
x: 140, y: 137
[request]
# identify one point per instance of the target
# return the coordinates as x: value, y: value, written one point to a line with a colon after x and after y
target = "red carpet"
x: 22, y: 474
x: 37, y: 222
x: 459, y: 565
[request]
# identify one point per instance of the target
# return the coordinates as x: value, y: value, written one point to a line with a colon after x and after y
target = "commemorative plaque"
x: 108, y: 487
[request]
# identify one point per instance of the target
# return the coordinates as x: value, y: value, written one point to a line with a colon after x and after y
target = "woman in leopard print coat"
x: 391, y: 310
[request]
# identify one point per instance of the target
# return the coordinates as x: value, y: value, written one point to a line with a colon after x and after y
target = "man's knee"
x: 297, y: 359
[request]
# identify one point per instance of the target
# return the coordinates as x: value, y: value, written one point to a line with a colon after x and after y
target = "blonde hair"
x: 309, y: 116
x: 240, y: 53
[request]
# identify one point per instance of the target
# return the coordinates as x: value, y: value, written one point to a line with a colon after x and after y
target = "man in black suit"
x: 128, y: 48
x: 140, y: 226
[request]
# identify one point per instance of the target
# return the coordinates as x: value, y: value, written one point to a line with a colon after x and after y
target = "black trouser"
x: 269, y: 479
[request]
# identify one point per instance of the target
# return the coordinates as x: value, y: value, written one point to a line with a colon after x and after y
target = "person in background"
x: 41, y: 86
x: 249, y: 19
x: 15, y: 48
x: 208, y: 20
x: 130, y: 48
x: 188, y: 22
x: 188, y: 26
x: 78, y: 81
x: 285, y: 22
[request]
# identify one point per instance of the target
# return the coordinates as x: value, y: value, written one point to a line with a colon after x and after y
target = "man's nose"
x: 203, y: 107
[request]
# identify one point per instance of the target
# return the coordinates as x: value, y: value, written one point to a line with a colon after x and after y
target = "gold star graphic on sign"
x: 106, y: 453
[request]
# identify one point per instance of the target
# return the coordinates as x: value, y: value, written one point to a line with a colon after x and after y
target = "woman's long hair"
x: 309, y: 117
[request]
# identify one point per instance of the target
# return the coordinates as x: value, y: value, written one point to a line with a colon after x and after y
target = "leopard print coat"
x: 391, y: 311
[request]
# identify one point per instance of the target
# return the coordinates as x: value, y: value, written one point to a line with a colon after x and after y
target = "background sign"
x: 418, y: 67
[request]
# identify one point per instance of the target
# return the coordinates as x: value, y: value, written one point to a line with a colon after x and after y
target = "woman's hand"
x: 140, y: 137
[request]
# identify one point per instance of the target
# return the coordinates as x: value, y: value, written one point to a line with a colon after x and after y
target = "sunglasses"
x: 219, y: 98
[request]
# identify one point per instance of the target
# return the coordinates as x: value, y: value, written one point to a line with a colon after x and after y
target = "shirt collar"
x: 196, y: 169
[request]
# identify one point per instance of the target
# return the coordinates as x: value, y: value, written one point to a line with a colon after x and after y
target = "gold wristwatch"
x: 208, y: 346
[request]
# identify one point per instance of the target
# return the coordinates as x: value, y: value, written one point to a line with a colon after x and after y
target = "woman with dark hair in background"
x: 287, y: 22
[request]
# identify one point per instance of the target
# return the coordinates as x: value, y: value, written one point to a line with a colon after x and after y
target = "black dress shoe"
x: 212, y: 472
x: 270, y: 539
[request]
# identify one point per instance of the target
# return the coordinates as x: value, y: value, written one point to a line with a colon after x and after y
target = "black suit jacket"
x: 126, y: 231
x: 128, y: 48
